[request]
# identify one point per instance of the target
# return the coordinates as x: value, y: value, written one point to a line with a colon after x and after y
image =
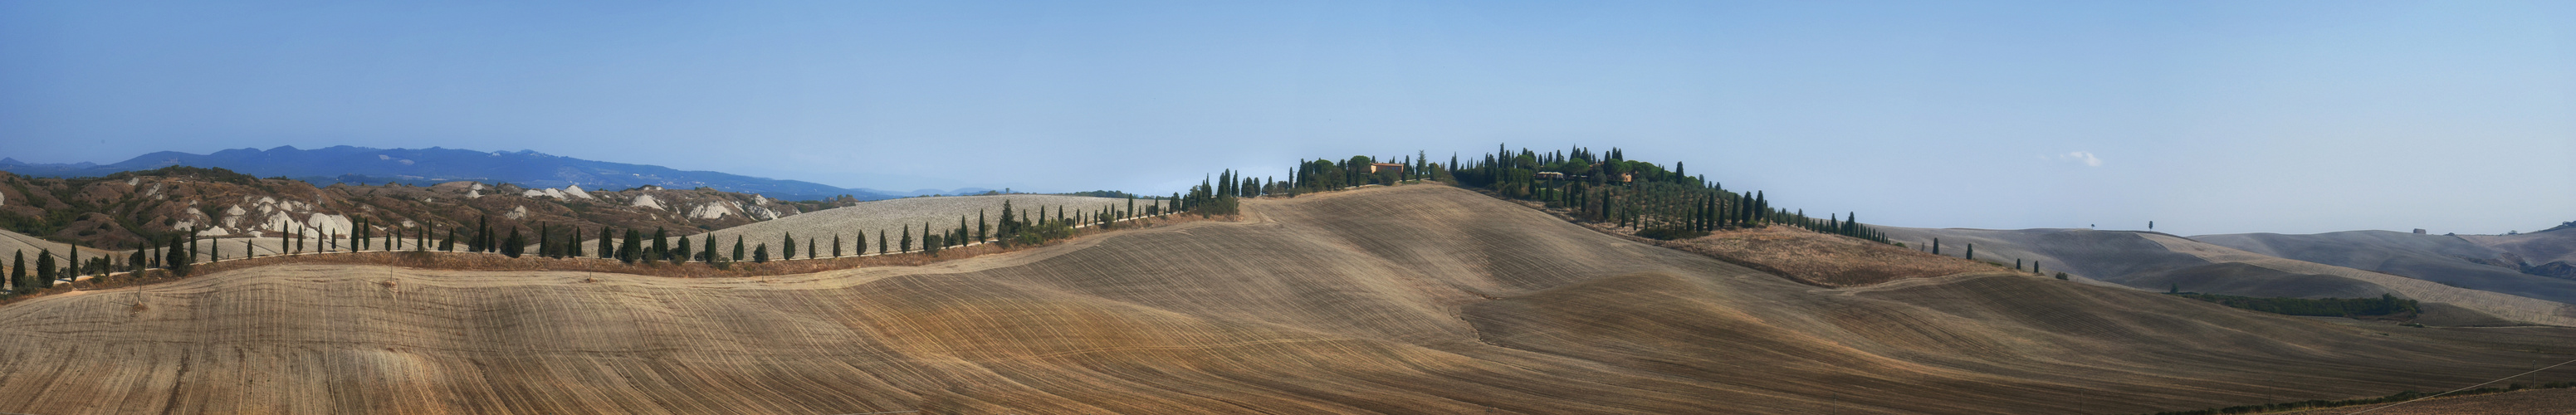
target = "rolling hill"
x: 1410, y: 299
x: 2160, y: 262
x: 2553, y: 246
x: 2445, y: 259
x: 888, y: 217
x: 423, y: 167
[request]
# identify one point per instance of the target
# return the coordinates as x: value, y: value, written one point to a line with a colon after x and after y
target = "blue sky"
x: 2207, y: 117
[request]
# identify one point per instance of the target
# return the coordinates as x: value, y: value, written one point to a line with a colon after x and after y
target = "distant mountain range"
x: 430, y: 166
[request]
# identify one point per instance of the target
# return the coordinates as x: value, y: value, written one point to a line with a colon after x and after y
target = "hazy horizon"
x: 2206, y: 117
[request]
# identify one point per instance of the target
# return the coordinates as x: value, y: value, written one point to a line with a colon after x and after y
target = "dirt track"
x: 1413, y: 299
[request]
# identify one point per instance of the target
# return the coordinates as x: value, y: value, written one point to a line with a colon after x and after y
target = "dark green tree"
x: 607, y: 243
x: 787, y: 245
x: 906, y: 246
x: 760, y: 254
x: 881, y: 242
x: 836, y: 245
x: 631, y: 249
x: 45, y: 269
x: 809, y: 248
x: 172, y: 256
x: 981, y: 236
x: 737, y: 248
x: 708, y: 254
x: 661, y: 244
x: 515, y: 245
x: 18, y: 271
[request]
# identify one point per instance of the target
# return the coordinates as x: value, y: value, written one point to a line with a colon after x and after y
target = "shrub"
x: 1670, y: 233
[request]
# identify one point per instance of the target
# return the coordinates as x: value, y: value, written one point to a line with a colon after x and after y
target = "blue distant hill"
x: 348, y: 164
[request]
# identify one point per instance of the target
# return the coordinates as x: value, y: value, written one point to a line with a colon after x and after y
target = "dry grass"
x: 1409, y: 299
x: 1797, y: 254
x: 2530, y: 402
x: 1824, y: 260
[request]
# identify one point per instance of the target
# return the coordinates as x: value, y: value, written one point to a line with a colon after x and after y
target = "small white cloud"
x: 2085, y: 157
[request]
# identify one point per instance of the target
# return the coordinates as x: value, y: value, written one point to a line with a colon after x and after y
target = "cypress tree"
x: 787, y: 245
x: 661, y: 243
x: 1008, y: 227
x: 809, y: 248
x: 175, y: 254
x: 631, y: 249
x: 1936, y: 246
x: 979, y: 220
x: 761, y: 254
x: 482, y: 228
x: 737, y: 248
x: 514, y: 246
x: 881, y: 242
x: 607, y: 248
x: 572, y: 242
x: 836, y: 245
x: 1972, y: 251
x: 907, y: 239
x: 18, y: 270
x: 45, y: 269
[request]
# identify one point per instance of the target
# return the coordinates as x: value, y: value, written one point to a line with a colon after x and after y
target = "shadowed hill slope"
x: 2156, y: 261
x: 2439, y: 258
x: 2553, y: 245
x: 1412, y: 299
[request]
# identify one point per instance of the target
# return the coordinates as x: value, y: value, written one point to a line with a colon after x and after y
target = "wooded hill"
x: 127, y: 210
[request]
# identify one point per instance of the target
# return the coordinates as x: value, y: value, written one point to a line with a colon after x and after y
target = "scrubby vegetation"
x: 1609, y: 187
x: 2385, y: 305
x: 2391, y: 398
x: 1668, y: 233
x: 1593, y: 186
